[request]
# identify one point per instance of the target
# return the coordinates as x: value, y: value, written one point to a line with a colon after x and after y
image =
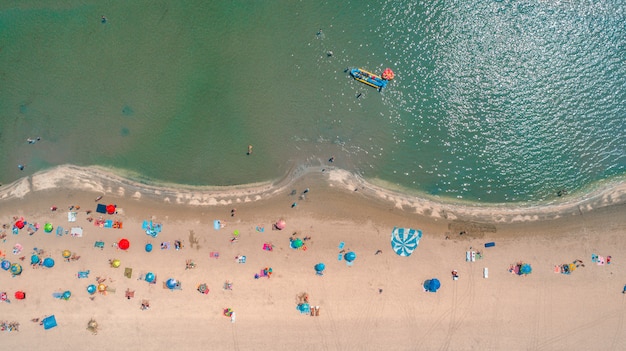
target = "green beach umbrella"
x: 48, y: 227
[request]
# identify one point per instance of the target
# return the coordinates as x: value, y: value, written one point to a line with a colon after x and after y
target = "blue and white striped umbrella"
x: 405, y: 240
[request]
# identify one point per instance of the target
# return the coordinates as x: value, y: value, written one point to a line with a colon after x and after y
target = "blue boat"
x: 368, y: 78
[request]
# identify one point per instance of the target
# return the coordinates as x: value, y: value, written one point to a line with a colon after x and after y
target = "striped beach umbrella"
x: 405, y: 240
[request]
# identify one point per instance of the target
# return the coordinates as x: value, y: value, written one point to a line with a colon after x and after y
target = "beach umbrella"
x: 405, y: 240
x: 171, y: 283
x: 5, y: 265
x: 66, y: 295
x: 150, y: 277
x: 388, y: 74
x: 148, y: 247
x: 91, y: 289
x: 525, y: 269
x: 228, y: 312
x: 350, y: 256
x: 296, y: 244
x: 48, y: 262
x: 281, y: 224
x: 34, y: 259
x: 20, y: 224
x: 124, y: 244
x: 432, y: 285
x: 110, y: 209
x: 102, y: 287
x: 67, y: 253
x: 115, y: 263
x: 203, y: 288
x: 320, y: 267
x: 20, y: 295
x: 16, y: 269
x: 48, y: 227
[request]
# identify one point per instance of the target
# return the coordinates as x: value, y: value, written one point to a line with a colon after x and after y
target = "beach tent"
x: 49, y: 322
x: 432, y: 285
x: 123, y: 244
x: 48, y: 262
x: 110, y: 209
x: 16, y: 269
x: 405, y: 240
x: 525, y: 269
x: 350, y: 256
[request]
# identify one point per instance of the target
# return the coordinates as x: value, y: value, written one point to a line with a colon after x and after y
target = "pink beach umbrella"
x: 281, y: 224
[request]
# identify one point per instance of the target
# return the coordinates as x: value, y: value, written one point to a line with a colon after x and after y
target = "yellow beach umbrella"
x: 102, y: 287
x: 115, y: 263
x: 66, y: 254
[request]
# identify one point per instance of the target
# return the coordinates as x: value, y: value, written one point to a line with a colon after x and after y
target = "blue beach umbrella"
x: 171, y: 283
x: 5, y: 265
x: 350, y: 256
x: 150, y: 277
x: 432, y: 285
x: 91, y: 289
x: 48, y: 262
x: 66, y: 295
x: 405, y: 240
x: 320, y: 267
x: 525, y: 269
x: 34, y: 259
x: 148, y: 247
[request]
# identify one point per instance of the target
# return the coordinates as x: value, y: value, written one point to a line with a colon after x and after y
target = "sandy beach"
x: 376, y: 303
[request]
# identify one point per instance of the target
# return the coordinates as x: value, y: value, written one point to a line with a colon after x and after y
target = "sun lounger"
x: 339, y: 257
x: 342, y: 245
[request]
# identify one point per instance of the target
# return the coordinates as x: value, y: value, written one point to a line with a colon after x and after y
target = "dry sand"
x: 541, y: 311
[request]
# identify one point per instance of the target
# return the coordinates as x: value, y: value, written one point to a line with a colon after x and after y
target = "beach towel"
x: 15, y: 230
x: 83, y: 274
x: 128, y: 272
x: 108, y: 223
x: 101, y: 208
x: 260, y: 229
x: 71, y: 216
x: 17, y: 249
x: 99, y: 223
x: 241, y: 259
x: 601, y: 261
x: 77, y: 232
x: 468, y: 256
x: 491, y: 244
x: 267, y: 247
x: 594, y: 258
x: 214, y: 254
x: 339, y: 257
x: 165, y: 245
x: 60, y: 231
x: 217, y: 224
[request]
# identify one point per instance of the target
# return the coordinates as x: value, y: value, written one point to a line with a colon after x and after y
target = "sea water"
x: 493, y: 101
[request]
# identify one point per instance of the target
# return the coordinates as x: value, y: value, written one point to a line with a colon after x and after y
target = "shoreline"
x: 105, y: 181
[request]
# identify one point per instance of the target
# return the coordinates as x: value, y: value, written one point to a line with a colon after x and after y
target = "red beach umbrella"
x: 110, y: 209
x: 19, y: 224
x: 124, y: 244
x: 20, y: 295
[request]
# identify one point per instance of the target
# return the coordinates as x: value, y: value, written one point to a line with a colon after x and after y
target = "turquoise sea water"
x: 496, y: 101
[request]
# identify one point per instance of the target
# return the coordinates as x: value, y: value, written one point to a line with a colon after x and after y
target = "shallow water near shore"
x: 493, y: 102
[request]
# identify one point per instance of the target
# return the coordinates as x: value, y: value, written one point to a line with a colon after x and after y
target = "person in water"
x: 249, y: 150
x: 103, y: 19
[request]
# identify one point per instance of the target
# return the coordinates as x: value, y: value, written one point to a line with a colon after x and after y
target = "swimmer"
x: 329, y: 53
x: 103, y: 19
x: 21, y: 167
x: 331, y: 159
x: 359, y: 95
